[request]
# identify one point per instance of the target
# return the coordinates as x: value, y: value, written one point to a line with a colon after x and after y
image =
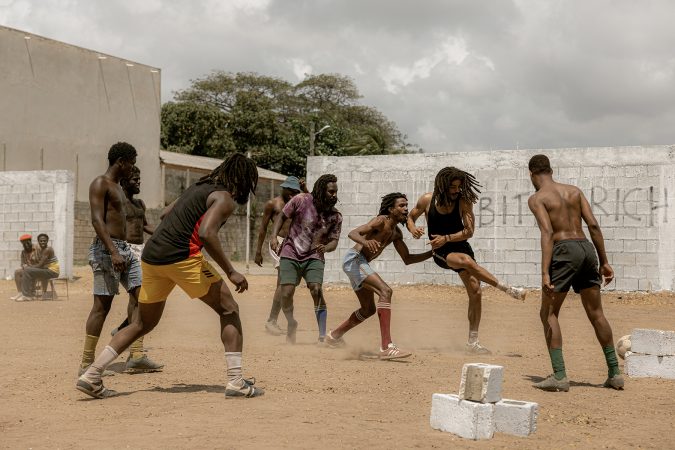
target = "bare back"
x: 564, y: 204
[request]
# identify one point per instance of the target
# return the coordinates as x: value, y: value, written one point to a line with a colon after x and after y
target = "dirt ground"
x: 317, y: 396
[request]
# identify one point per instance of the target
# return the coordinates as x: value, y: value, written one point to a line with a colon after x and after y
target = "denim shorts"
x: 357, y: 268
x: 106, y: 279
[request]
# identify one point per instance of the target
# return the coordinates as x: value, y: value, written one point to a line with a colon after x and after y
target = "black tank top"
x: 177, y: 236
x: 442, y: 224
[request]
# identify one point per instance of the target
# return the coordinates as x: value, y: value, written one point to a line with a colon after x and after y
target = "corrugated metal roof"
x: 204, y: 163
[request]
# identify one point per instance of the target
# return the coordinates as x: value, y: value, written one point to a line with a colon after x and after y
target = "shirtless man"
x: 110, y: 256
x: 29, y: 257
x: 289, y: 189
x: 371, y: 239
x: 569, y: 260
x: 449, y: 213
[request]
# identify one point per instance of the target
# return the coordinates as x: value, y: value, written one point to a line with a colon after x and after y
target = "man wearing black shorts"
x: 568, y: 259
x: 449, y: 213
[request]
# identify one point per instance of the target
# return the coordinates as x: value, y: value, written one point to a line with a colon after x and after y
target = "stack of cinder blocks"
x: 479, y: 410
x: 652, y: 354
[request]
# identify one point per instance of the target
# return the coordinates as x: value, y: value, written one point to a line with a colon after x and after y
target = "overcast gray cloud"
x: 454, y: 75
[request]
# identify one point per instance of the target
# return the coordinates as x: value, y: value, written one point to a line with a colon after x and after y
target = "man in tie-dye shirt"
x: 315, y: 229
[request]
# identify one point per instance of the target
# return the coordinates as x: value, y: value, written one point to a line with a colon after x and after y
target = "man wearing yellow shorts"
x: 172, y: 256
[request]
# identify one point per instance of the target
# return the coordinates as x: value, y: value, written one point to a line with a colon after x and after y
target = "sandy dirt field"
x: 317, y: 396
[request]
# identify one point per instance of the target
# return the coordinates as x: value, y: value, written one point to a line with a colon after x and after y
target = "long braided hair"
x: 468, y: 189
x: 319, y: 196
x: 389, y: 201
x: 238, y: 174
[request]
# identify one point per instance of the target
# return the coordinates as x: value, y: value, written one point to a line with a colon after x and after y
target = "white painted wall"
x: 631, y: 189
x: 36, y: 202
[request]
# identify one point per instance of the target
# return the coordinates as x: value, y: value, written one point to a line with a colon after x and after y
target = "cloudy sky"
x: 454, y: 75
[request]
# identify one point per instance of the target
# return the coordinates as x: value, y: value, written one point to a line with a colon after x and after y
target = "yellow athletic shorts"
x: 194, y: 275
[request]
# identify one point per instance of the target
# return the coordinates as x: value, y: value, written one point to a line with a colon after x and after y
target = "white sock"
x: 107, y: 356
x: 502, y: 287
x: 233, y: 360
x: 473, y: 337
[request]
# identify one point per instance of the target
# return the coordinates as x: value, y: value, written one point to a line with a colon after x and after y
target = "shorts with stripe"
x: 194, y: 275
x: 357, y: 268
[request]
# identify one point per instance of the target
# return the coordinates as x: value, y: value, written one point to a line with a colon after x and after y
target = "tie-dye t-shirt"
x: 308, y: 228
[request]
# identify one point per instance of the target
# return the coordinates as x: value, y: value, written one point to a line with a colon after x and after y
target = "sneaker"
x: 141, y: 365
x: 247, y: 390
x: 615, y: 382
x: 474, y: 348
x: 393, y: 352
x: 553, y: 385
x: 14, y: 297
x: 517, y: 293
x: 272, y: 328
x: 106, y: 372
x: 96, y: 390
x: 292, y: 330
x: 333, y: 342
x: 24, y: 298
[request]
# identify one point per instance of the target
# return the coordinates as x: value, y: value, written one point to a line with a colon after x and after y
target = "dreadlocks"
x: 319, y: 194
x: 468, y: 188
x: 238, y: 174
x: 389, y: 201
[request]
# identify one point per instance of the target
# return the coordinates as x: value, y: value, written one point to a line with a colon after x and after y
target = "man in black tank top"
x: 450, y: 218
x: 173, y: 257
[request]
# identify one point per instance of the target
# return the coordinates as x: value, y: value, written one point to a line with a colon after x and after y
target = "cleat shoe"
x: 142, y: 365
x: 245, y: 391
x: 552, y: 384
x: 474, y: 348
x: 106, y: 372
x: 333, y: 342
x: 291, y: 333
x: 272, y: 328
x: 517, y: 293
x: 615, y: 382
x: 96, y: 390
x: 393, y: 352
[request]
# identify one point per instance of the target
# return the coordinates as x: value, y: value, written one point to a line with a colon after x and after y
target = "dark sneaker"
x: 272, y: 328
x: 333, y: 342
x: 292, y: 330
x: 474, y: 348
x: 552, y: 384
x: 245, y: 391
x: 142, y: 365
x: 615, y: 382
x: 96, y: 390
x: 393, y: 352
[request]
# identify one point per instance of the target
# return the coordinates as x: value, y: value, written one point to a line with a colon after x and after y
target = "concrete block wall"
x: 36, y: 202
x: 631, y: 191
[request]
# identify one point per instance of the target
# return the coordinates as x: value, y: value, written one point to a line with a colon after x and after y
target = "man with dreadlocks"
x: 172, y: 256
x: 314, y: 230
x: 371, y: 239
x: 449, y: 213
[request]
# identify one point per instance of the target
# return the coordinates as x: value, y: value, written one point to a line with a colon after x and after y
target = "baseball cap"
x: 25, y: 237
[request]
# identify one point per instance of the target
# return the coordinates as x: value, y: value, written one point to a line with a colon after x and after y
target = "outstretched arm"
x: 597, y: 238
x: 403, y: 251
x: 469, y: 221
x: 544, y: 221
x: 267, y: 215
x: 415, y: 213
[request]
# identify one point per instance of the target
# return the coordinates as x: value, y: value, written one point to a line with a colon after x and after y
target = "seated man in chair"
x: 46, y: 268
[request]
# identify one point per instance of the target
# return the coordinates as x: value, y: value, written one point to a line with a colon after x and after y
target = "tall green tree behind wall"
x: 270, y: 117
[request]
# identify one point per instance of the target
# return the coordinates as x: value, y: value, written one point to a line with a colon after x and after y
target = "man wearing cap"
x: 289, y: 188
x: 29, y: 257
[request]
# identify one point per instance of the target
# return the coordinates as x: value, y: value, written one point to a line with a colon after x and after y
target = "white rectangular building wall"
x: 631, y: 191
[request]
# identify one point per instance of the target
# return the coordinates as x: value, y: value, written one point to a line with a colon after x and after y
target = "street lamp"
x: 313, y: 135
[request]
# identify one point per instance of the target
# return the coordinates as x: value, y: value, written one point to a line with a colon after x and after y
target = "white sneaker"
x: 14, y: 297
x: 517, y: 293
x: 393, y: 352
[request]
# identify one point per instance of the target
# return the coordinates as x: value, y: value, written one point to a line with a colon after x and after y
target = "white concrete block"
x: 652, y: 366
x: 470, y: 420
x: 653, y: 342
x: 481, y: 382
x: 516, y: 417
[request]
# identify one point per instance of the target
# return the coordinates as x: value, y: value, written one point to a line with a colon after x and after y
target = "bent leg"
x: 462, y: 261
x: 591, y: 299
x: 377, y: 285
x: 367, y: 301
x: 320, y: 309
x: 549, y: 312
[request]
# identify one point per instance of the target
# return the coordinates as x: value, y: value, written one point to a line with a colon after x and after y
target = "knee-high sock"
x: 233, y: 360
x: 355, y: 319
x: 384, y: 314
x: 557, y: 362
x: 107, y: 356
x: 321, y: 315
x: 612, y: 362
x: 89, y: 350
x: 136, y: 348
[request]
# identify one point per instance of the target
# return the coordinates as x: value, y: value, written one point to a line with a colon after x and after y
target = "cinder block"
x: 652, y: 366
x: 653, y: 342
x: 516, y: 417
x: 481, y: 383
x: 470, y: 420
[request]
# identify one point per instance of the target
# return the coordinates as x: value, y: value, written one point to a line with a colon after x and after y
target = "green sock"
x: 557, y: 362
x: 612, y: 362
